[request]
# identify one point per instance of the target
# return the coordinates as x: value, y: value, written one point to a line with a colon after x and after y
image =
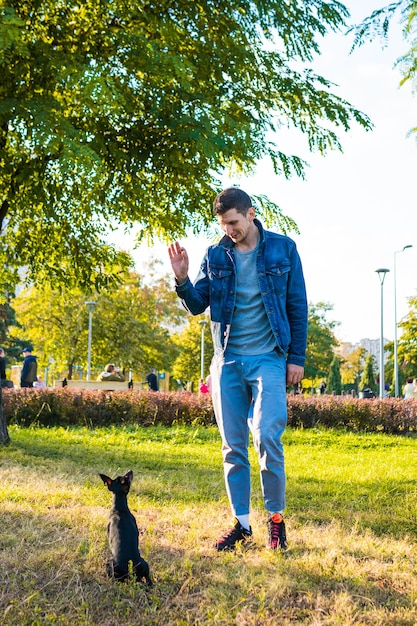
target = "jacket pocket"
x: 278, y: 277
x: 220, y: 285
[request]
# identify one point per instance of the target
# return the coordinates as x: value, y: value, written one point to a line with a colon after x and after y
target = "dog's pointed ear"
x: 106, y: 480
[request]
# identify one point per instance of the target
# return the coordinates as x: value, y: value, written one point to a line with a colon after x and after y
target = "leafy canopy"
x: 407, y: 347
x: 377, y: 26
x: 321, y: 341
x: 115, y: 113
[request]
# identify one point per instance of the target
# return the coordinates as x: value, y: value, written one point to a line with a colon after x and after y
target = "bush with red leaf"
x: 69, y: 407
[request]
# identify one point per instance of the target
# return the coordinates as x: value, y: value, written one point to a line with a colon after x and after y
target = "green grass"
x: 351, y: 523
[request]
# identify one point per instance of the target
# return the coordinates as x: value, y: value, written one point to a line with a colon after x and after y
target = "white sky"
x: 357, y: 208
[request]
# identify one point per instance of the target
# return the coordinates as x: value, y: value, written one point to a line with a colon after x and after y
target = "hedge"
x: 65, y: 407
x: 387, y: 415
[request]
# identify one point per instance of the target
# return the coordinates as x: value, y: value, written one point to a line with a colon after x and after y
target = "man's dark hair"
x: 232, y: 198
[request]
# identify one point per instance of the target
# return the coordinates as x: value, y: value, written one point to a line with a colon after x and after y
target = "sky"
x: 356, y: 209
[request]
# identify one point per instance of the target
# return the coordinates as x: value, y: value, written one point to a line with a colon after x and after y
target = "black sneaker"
x: 277, y: 537
x: 235, y: 534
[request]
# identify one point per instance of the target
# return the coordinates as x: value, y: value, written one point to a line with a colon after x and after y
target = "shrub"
x: 388, y: 415
x: 65, y: 407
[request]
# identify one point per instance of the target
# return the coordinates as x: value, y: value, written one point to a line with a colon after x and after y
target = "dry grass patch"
x: 342, y: 566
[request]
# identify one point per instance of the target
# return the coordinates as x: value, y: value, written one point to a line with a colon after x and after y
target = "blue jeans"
x: 249, y: 393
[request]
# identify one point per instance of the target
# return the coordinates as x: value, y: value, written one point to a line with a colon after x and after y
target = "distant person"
x: 208, y: 383
x: 203, y: 387
x: 323, y: 387
x: 111, y: 372
x: 408, y: 389
x: 152, y: 380
x: 39, y: 384
x: 29, y: 371
x: 2, y: 365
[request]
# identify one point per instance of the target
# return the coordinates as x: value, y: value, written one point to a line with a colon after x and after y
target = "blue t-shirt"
x: 250, y: 331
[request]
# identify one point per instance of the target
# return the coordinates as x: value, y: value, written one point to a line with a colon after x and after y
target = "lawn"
x: 351, y: 524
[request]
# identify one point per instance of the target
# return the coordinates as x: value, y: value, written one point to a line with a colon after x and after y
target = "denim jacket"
x: 282, y: 287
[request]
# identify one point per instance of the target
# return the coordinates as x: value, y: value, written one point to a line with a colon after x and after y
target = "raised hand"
x: 179, y: 261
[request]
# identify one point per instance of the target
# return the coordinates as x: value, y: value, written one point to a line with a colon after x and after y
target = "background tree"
x: 7, y: 319
x: 334, y: 380
x: 321, y: 342
x: 407, y: 344
x: 351, y: 367
x: 131, y: 325
x: 127, y: 113
x: 55, y: 323
x: 368, y: 376
x: 377, y: 26
x: 187, y: 366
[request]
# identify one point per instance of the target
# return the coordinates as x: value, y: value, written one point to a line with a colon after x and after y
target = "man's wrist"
x: 180, y: 281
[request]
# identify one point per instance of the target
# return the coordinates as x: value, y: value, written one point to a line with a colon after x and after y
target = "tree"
x: 126, y: 113
x: 4, y: 433
x: 187, y: 366
x: 377, y: 26
x: 334, y: 381
x: 321, y: 342
x: 368, y: 376
x: 407, y: 345
x: 351, y: 367
x: 130, y: 325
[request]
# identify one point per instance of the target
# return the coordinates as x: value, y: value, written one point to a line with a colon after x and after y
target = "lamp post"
x: 396, y: 377
x: 90, y: 307
x: 381, y: 273
x: 203, y: 326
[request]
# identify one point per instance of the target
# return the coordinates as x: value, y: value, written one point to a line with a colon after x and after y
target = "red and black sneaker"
x: 233, y: 536
x: 277, y: 537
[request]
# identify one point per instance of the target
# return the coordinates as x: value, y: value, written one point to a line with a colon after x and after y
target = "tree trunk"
x: 4, y: 434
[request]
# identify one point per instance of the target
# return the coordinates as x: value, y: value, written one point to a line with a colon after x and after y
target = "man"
x: 29, y: 371
x: 252, y: 280
x: 152, y: 380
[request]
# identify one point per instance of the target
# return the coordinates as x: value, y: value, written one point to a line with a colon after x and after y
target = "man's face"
x: 236, y: 225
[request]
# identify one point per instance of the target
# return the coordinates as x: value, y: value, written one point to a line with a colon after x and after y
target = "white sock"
x: 244, y: 521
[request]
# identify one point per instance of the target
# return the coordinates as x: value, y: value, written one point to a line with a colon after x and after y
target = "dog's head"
x: 121, y: 484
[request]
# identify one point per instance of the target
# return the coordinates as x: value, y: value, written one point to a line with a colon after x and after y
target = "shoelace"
x: 275, y: 532
x: 231, y: 534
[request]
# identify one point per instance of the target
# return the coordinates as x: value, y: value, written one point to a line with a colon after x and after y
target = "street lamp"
x: 90, y: 307
x: 381, y: 273
x: 396, y: 377
x: 203, y: 326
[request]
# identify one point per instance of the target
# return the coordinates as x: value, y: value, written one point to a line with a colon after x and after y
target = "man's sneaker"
x: 233, y: 536
x: 277, y: 537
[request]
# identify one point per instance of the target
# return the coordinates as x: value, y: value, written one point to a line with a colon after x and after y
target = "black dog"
x: 123, y: 534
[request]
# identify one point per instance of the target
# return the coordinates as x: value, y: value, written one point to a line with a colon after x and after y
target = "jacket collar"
x: 227, y: 243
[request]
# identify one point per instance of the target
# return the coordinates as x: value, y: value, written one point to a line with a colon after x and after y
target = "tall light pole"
x: 90, y: 307
x: 381, y: 273
x: 203, y: 326
x: 396, y: 377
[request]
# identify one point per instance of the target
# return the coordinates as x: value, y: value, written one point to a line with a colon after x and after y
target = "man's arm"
x: 195, y: 298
